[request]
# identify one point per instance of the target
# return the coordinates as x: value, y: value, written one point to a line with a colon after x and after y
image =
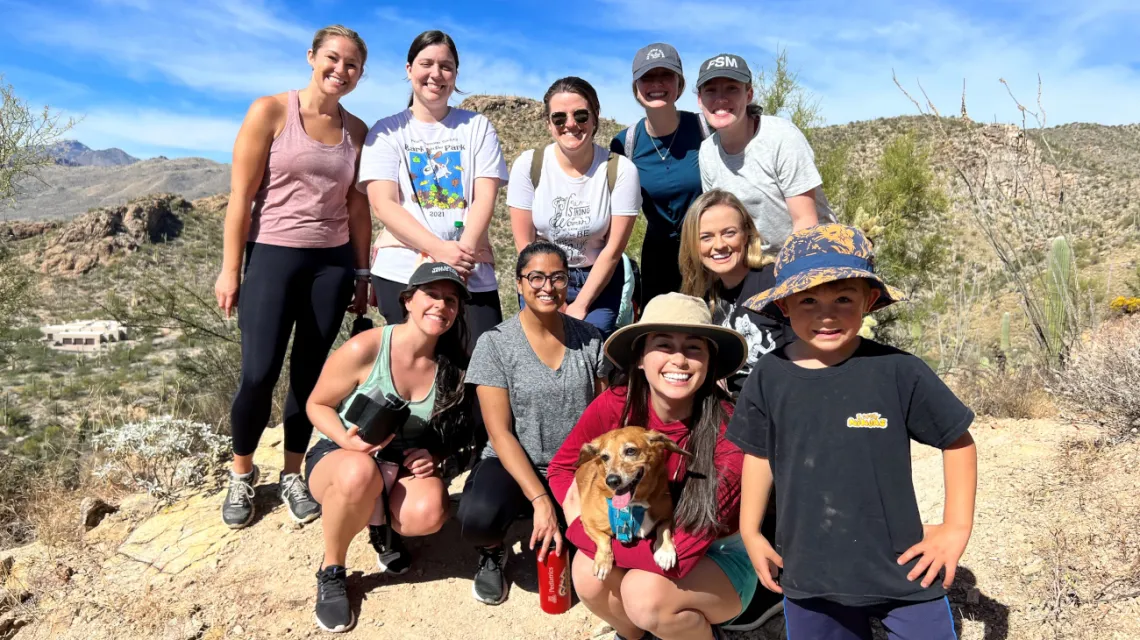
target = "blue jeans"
x: 603, y: 312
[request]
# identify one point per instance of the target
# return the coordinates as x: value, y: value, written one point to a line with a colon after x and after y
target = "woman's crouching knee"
x: 423, y: 516
x: 644, y: 599
x: 357, y: 479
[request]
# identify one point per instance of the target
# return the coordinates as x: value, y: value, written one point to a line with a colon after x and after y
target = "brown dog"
x: 627, y: 467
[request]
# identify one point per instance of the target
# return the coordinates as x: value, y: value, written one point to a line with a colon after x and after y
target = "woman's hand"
x: 765, y: 561
x: 420, y: 463
x: 226, y: 289
x: 359, y: 304
x: 456, y: 255
x: 575, y: 310
x: 545, y: 527
x: 351, y: 441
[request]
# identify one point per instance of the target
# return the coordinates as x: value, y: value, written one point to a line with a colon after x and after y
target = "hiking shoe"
x: 237, y: 510
x: 490, y: 584
x: 765, y: 605
x: 295, y: 494
x: 391, y: 555
x: 333, y: 611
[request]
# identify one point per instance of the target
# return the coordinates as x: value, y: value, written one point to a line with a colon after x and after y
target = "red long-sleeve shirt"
x: 604, y: 414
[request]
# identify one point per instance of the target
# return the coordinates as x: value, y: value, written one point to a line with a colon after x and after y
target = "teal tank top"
x: 379, y: 384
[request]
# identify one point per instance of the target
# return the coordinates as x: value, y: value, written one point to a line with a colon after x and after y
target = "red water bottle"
x: 554, y: 581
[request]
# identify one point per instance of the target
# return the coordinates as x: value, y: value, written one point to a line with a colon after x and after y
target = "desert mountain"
x: 67, y: 191
x: 73, y: 153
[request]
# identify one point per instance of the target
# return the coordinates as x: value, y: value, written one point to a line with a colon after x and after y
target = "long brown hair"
x: 697, y: 509
x: 696, y: 280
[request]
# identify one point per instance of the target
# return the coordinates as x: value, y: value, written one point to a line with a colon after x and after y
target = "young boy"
x: 828, y: 419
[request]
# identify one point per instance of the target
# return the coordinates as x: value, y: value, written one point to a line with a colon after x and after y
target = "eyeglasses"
x: 537, y: 279
x: 559, y: 118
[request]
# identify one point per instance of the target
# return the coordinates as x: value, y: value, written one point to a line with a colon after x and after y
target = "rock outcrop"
x: 101, y: 235
x: 24, y: 229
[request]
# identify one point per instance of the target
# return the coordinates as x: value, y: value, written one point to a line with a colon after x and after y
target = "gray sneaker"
x: 237, y: 510
x: 295, y: 494
x: 490, y: 583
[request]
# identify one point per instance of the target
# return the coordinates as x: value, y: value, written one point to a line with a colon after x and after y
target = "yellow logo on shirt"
x: 867, y: 421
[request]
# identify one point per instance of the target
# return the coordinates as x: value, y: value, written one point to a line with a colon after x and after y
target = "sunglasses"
x: 559, y: 118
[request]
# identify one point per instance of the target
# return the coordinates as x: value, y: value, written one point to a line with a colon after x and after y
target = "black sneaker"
x: 237, y: 510
x: 391, y: 555
x: 490, y: 584
x: 295, y: 494
x: 333, y: 610
x: 765, y: 605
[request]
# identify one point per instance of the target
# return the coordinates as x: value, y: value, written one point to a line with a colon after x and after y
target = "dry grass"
x: 1012, y: 393
x: 1102, y: 376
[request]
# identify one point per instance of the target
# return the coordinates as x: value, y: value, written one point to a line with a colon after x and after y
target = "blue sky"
x: 174, y: 77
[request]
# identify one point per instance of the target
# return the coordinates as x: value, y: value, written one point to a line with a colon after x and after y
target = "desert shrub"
x: 1125, y: 306
x: 1003, y: 393
x: 1102, y: 375
x: 160, y: 455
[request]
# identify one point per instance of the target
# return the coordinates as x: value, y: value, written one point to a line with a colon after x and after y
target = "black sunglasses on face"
x: 537, y: 279
x: 559, y: 118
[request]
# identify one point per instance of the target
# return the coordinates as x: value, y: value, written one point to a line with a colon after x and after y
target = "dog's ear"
x: 658, y: 438
x: 589, y: 451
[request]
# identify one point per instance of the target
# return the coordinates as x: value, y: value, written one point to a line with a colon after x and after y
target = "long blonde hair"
x: 696, y: 280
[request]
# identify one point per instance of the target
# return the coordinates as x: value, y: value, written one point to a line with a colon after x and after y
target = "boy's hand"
x: 765, y: 561
x: 941, y: 547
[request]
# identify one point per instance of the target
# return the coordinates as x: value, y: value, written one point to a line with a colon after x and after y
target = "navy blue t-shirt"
x: 838, y: 440
x: 668, y: 186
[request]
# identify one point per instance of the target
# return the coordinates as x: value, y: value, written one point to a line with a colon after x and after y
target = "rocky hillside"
x: 73, y: 153
x: 65, y: 191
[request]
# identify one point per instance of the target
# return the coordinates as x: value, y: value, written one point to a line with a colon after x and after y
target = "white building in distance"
x: 87, y: 335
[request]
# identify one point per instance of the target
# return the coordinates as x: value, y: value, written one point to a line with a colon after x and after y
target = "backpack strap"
x: 631, y: 139
x: 612, y: 171
x: 536, y: 167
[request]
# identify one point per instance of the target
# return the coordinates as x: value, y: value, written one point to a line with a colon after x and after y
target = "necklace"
x: 668, y: 148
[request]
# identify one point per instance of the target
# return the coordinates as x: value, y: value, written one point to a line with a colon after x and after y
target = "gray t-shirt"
x: 776, y: 164
x: 545, y: 403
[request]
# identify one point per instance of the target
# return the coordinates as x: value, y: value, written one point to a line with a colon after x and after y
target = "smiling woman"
x: 301, y: 228
x: 575, y: 194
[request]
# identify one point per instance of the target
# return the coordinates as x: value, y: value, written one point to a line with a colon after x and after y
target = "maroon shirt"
x: 603, y: 415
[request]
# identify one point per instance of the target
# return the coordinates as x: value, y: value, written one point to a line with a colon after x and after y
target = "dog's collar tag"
x: 625, y: 522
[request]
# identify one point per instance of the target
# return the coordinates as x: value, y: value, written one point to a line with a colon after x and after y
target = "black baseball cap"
x: 656, y: 55
x: 429, y: 272
x: 724, y: 65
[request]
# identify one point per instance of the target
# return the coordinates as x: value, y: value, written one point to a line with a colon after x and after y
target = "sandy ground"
x: 179, y: 575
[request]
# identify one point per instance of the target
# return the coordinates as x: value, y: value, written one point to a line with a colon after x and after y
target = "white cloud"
x: 132, y: 129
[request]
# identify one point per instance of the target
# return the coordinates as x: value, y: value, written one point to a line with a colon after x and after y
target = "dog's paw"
x: 665, y: 557
x: 603, y: 563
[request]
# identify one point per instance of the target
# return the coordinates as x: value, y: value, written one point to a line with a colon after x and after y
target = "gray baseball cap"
x: 654, y: 56
x: 724, y: 65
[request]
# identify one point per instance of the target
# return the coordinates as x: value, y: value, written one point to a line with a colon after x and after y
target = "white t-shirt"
x: 776, y: 164
x: 574, y: 213
x: 444, y: 159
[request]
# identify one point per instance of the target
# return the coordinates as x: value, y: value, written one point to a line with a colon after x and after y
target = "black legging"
x: 483, y: 309
x: 491, y: 501
x: 660, y: 268
x: 283, y: 287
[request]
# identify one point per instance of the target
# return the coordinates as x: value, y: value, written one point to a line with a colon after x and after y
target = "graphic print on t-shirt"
x: 437, y: 177
x: 867, y: 421
x: 570, y: 225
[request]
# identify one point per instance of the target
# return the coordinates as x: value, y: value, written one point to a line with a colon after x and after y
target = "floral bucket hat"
x: 818, y: 255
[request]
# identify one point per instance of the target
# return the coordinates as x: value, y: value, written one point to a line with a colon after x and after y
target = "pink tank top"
x: 302, y: 201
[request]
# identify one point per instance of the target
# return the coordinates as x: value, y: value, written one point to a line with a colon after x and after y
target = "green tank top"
x: 379, y: 384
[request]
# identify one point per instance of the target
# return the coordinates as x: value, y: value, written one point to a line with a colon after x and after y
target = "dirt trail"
x: 180, y: 575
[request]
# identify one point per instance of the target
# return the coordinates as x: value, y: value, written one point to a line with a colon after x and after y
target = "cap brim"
x: 731, y: 348
x: 662, y: 65
x: 763, y: 301
x: 464, y: 292
x: 733, y: 74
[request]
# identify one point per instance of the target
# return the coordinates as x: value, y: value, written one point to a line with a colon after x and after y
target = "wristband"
x: 538, y: 496
x: 363, y: 272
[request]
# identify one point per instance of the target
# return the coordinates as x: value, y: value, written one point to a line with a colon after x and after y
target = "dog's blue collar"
x: 625, y: 523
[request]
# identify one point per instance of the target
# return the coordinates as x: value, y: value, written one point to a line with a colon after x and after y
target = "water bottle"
x: 554, y: 581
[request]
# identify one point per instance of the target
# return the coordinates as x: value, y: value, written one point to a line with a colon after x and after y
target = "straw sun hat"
x: 675, y: 312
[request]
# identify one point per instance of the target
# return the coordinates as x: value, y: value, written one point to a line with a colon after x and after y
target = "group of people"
x: 742, y: 258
